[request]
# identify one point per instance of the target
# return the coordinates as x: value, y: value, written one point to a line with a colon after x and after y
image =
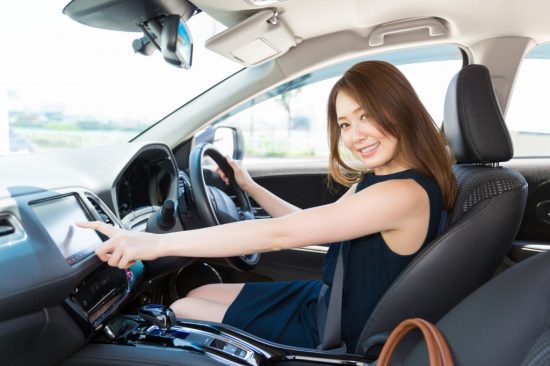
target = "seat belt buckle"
x: 342, y: 348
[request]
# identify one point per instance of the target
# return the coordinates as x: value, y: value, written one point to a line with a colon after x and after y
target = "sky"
x: 50, y: 61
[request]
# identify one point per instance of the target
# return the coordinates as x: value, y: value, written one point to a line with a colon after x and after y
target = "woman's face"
x: 361, y: 135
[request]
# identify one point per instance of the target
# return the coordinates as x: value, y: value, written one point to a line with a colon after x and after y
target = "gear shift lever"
x: 160, y: 315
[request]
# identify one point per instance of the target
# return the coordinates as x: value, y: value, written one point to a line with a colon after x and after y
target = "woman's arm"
x: 390, y: 206
x: 274, y: 206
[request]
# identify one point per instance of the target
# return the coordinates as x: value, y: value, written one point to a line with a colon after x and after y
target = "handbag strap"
x: 438, y: 349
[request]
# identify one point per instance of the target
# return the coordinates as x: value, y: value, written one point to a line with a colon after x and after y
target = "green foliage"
x: 63, y: 126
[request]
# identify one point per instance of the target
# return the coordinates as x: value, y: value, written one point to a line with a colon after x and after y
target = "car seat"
x: 505, y: 322
x: 481, y: 226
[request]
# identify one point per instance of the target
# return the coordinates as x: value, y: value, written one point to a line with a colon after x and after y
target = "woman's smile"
x: 369, y: 150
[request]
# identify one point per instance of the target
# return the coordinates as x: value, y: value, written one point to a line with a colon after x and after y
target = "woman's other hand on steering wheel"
x: 243, y: 179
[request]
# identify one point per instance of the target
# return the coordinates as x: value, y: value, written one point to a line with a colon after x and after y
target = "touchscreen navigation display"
x: 59, y: 216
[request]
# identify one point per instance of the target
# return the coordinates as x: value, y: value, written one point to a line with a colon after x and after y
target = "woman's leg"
x: 209, y: 302
x: 224, y: 293
x: 199, y: 309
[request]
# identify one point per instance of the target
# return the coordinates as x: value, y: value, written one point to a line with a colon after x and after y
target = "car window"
x: 527, y: 117
x: 289, y: 122
x: 75, y: 85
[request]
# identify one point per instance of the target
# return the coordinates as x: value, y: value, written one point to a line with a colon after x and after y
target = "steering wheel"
x: 214, y: 207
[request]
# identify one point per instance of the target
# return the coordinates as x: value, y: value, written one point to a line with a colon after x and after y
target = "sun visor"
x: 257, y: 39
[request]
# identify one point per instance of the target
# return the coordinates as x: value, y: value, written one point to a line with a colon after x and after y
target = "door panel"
x: 534, y: 233
x: 305, y: 185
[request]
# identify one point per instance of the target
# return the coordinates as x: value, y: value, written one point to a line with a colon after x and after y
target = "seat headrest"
x: 473, y: 122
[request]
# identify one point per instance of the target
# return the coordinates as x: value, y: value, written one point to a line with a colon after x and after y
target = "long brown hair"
x: 382, y: 90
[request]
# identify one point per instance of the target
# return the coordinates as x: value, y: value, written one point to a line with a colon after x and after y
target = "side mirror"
x: 227, y: 139
x: 176, y: 43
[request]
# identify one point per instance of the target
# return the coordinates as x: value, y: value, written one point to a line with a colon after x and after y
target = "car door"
x: 286, y: 148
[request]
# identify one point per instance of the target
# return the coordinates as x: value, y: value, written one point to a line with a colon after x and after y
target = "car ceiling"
x: 499, y: 31
x: 470, y: 21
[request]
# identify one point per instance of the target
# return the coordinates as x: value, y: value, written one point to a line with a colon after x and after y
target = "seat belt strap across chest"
x: 331, y: 332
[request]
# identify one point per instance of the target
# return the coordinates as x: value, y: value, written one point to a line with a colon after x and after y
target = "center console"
x: 156, y: 329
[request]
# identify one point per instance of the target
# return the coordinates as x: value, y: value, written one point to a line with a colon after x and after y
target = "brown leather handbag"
x: 438, y: 349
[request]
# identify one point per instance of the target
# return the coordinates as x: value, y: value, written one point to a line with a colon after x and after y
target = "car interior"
x: 482, y: 280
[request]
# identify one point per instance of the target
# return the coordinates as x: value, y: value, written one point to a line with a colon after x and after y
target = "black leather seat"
x: 482, y: 225
x: 505, y: 322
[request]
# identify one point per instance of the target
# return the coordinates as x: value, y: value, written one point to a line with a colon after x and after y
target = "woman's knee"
x: 199, y: 309
x: 184, y: 308
x: 202, y: 292
x: 221, y: 293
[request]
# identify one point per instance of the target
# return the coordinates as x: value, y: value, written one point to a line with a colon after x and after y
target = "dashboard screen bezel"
x: 72, y: 257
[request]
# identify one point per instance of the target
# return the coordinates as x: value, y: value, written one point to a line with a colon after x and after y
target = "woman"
x: 400, y: 181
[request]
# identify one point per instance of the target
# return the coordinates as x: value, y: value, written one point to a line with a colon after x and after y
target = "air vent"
x: 6, y: 228
x: 102, y: 214
x: 11, y: 230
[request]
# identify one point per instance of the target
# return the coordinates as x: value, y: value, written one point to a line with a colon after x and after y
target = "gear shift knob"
x: 160, y: 315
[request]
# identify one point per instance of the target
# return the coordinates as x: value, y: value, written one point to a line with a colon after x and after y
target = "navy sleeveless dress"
x: 286, y: 312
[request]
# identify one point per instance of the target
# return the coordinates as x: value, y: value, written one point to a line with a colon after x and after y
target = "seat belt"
x: 331, y: 335
x: 330, y: 326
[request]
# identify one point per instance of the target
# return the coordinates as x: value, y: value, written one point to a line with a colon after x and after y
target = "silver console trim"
x: 227, y: 339
x: 137, y: 220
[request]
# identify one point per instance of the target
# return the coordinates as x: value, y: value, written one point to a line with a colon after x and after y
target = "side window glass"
x: 290, y: 125
x: 289, y: 122
x: 527, y: 117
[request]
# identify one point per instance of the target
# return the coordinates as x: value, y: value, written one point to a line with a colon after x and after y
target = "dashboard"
x: 60, y: 303
x: 53, y: 284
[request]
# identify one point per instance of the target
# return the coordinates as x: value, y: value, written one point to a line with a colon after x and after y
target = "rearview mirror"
x: 176, y: 43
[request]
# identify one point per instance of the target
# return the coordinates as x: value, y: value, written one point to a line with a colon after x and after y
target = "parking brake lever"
x: 160, y: 315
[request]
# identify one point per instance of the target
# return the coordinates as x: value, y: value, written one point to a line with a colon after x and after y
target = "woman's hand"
x: 241, y: 175
x: 124, y: 247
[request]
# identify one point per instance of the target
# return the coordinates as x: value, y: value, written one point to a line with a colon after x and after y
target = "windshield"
x: 67, y: 85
